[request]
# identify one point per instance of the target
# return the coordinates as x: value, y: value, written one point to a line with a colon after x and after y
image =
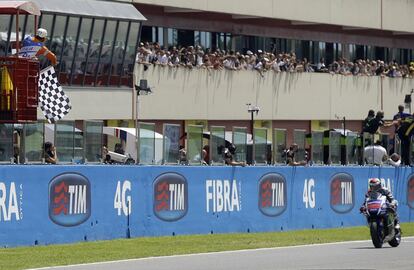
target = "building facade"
x: 96, y: 53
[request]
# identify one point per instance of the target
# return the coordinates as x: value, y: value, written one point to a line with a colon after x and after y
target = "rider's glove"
x: 362, y: 209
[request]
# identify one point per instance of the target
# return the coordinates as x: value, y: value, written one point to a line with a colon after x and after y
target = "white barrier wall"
x: 184, y: 94
x: 396, y: 14
x: 181, y: 93
x: 98, y: 103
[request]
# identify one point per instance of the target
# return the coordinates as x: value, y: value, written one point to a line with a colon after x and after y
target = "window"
x: 352, y: 52
x: 338, y: 50
x: 172, y: 37
x: 106, y: 53
x: 223, y: 41
x: 57, y: 35
x: 94, y: 48
x: 117, y: 54
x: 79, y: 62
x: 160, y: 36
x: 68, y: 50
x: 6, y: 21
x: 131, y: 50
x: 370, y: 52
x: 202, y: 38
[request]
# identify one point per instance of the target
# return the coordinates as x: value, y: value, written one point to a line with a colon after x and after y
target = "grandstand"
x: 97, y: 41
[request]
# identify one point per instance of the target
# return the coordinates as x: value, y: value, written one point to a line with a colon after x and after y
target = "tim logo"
x: 342, y: 192
x: 69, y: 199
x: 170, y: 196
x: 410, y: 191
x: 272, y: 194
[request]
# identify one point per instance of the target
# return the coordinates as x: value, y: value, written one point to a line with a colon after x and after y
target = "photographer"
x: 228, y: 155
x: 50, y: 153
x: 290, y: 156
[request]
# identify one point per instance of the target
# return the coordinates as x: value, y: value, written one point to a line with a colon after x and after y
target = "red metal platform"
x: 18, y: 89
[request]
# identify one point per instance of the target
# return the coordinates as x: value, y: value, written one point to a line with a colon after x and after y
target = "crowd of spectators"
x: 261, y: 61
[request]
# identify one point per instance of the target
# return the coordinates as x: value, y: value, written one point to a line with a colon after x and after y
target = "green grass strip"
x: 87, y: 252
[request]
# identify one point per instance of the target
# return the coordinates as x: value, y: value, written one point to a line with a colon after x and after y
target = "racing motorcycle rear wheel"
x: 395, y: 242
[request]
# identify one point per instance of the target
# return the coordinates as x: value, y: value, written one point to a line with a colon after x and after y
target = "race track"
x: 347, y: 255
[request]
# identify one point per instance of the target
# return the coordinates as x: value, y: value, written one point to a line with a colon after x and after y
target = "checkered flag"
x: 53, y: 101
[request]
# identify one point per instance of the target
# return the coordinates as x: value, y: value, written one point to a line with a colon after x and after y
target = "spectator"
x: 119, y: 149
x: 199, y: 57
x: 400, y: 114
x: 411, y: 70
x: 371, y: 115
x: 182, y: 156
x: 307, y: 66
x: 106, y: 158
x: 405, y: 131
x: 260, y: 66
x: 290, y: 156
x: 374, y: 124
x: 320, y: 67
x: 394, y: 160
x: 205, y: 160
x: 262, y: 61
x: 229, y: 61
x: 228, y: 155
x: 16, y: 154
x: 375, y: 154
x: 164, y: 58
x: 50, y: 153
x: 381, y: 69
x: 251, y: 60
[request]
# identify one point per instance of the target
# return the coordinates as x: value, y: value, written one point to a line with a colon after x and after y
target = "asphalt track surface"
x: 359, y: 255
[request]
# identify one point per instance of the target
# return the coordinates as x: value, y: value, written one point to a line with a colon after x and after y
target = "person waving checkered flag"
x: 53, y: 101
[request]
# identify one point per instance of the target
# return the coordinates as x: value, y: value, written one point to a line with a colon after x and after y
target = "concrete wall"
x: 398, y: 14
x: 377, y: 14
x: 181, y: 93
x: 98, y: 103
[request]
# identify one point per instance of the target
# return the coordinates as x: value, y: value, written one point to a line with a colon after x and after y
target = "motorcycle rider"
x: 375, y: 186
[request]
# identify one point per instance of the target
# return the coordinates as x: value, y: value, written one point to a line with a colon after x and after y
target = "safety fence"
x: 83, y: 143
x: 46, y: 204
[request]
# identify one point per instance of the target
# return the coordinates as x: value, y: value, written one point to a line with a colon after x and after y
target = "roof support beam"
x: 180, y: 10
x: 241, y: 17
x: 351, y: 28
x: 303, y: 23
x: 399, y: 33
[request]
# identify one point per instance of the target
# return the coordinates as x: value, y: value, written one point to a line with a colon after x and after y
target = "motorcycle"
x: 381, y: 220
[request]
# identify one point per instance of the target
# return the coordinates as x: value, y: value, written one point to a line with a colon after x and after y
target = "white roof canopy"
x: 24, y: 7
x: 91, y: 8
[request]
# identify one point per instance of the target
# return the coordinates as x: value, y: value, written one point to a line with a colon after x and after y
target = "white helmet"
x: 41, y: 32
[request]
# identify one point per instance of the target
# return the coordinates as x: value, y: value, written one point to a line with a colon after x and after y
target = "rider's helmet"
x: 41, y: 33
x: 374, y: 184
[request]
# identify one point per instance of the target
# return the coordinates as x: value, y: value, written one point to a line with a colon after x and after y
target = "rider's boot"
x: 397, y: 224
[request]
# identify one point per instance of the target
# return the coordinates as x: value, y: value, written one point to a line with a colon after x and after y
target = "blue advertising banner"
x: 48, y: 204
